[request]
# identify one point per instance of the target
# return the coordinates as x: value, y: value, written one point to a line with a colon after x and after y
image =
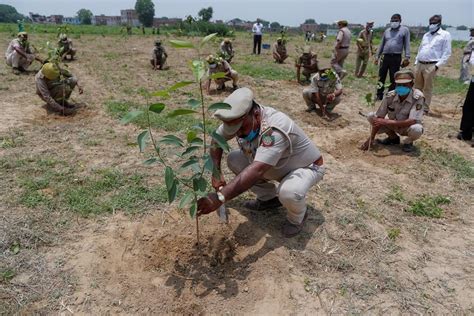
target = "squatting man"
x: 272, y: 148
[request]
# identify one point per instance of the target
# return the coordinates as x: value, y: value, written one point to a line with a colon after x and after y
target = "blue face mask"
x: 402, y: 91
x: 253, y: 134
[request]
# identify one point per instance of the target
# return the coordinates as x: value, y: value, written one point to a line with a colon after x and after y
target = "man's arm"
x: 216, y: 155
x: 407, y: 43
x: 446, y: 51
x: 42, y: 88
x: 379, y: 122
x: 381, y: 47
x: 20, y: 51
x: 245, y: 180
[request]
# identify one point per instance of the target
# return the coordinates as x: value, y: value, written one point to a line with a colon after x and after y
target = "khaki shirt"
x: 226, y: 48
x: 344, y: 37
x: 469, y: 48
x: 273, y: 146
x: 309, y: 61
x: 44, y: 85
x: 410, y: 108
x: 67, y: 45
x: 158, y: 52
x: 222, y: 66
x: 325, y: 87
x: 16, y: 43
x: 279, y: 49
x: 365, y: 46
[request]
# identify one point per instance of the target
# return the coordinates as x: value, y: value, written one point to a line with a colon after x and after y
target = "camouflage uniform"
x: 56, y: 92
x: 323, y: 87
x: 279, y: 52
x: 309, y: 62
x: 158, y: 53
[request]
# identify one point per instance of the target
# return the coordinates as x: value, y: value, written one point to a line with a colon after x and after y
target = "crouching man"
x: 54, y: 86
x: 404, y: 110
x: 272, y: 148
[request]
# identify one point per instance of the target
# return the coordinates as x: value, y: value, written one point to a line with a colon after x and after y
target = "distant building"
x: 240, y: 24
x: 311, y: 27
x: 52, y: 19
x: 129, y: 16
x: 157, y: 22
x: 73, y: 21
x: 106, y: 20
x: 55, y: 19
x: 37, y: 18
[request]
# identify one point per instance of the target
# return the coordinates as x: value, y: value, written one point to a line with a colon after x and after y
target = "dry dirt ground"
x: 360, y: 252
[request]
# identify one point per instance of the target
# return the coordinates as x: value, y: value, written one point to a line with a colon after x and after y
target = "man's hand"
x: 330, y: 97
x: 208, y: 204
x: 365, y: 146
x: 217, y: 183
x: 81, y: 91
x: 376, y: 61
x: 379, y: 122
x: 405, y: 63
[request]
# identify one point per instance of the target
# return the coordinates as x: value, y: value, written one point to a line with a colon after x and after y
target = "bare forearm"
x: 244, y: 180
x: 400, y: 124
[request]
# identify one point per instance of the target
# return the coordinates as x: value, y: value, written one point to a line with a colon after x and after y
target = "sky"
x: 290, y: 12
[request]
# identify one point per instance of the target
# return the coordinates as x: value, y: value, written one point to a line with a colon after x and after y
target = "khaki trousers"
x: 15, y: 60
x: 337, y: 61
x: 292, y: 188
x: 412, y: 132
x: 362, y: 60
x: 234, y: 76
x: 308, y: 95
x: 424, y: 77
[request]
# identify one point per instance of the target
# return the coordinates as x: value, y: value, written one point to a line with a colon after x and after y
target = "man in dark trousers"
x: 257, y: 30
x: 395, y: 40
x: 467, y: 120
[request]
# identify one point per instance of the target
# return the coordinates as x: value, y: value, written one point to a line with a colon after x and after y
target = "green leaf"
x: 208, y: 163
x: 130, y: 116
x: 197, y: 141
x: 218, y: 75
x: 188, y: 163
x: 150, y: 161
x: 161, y: 93
x: 169, y: 177
x: 200, y: 184
x: 173, y: 192
x: 199, y: 69
x: 193, y: 103
x: 219, y: 106
x: 208, y: 38
x: 181, y: 84
x: 180, y: 112
x: 190, y: 136
x: 186, y: 199
x: 15, y: 248
x: 172, y: 140
x: 157, y: 107
x: 193, y: 210
x: 199, y: 127
x: 221, y: 141
x: 190, y: 150
x: 141, y: 139
x: 181, y: 44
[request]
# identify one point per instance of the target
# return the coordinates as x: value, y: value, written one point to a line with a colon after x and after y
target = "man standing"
x: 65, y: 46
x: 216, y: 65
x: 325, y: 91
x: 257, y: 30
x: 279, y: 51
x: 272, y: 148
x: 19, y: 55
x: 341, y: 49
x: 158, y: 56
x: 434, y: 52
x: 364, y: 49
x: 227, y: 51
x: 465, y: 64
x: 309, y: 61
x: 404, y: 108
x: 395, y: 40
x: 54, y: 86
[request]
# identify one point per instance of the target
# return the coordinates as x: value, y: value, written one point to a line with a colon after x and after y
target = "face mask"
x: 394, y: 25
x: 402, y: 91
x: 212, y: 66
x: 433, y: 27
x: 253, y: 133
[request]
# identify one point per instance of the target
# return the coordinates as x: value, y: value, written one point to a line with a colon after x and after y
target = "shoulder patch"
x: 268, y: 140
x: 391, y: 93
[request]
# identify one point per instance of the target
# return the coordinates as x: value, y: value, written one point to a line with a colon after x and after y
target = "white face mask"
x: 212, y: 66
x: 394, y: 25
x: 433, y: 27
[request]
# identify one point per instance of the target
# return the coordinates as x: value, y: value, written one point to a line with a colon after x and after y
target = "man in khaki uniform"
x: 341, y: 49
x: 158, y: 57
x: 404, y: 108
x: 325, y: 91
x: 65, y: 46
x: 272, y: 148
x: 19, y: 55
x: 467, y: 54
x: 227, y: 51
x: 216, y: 65
x: 364, y: 49
x: 279, y: 51
x: 54, y: 86
x: 309, y: 61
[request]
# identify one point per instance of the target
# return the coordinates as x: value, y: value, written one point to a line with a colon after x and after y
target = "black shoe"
x: 408, y: 148
x: 389, y: 141
x: 379, y: 98
x: 259, y: 205
x: 291, y: 230
x: 460, y: 136
x: 309, y: 110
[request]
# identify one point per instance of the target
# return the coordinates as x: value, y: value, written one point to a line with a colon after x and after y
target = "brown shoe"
x: 259, y: 205
x: 291, y: 230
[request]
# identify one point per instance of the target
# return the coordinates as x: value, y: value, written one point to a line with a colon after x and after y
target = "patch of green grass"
x: 393, y: 233
x: 428, y: 206
x: 395, y: 194
x: 457, y: 164
x: 119, y: 109
x: 446, y: 85
x: 264, y: 69
x: 6, y: 275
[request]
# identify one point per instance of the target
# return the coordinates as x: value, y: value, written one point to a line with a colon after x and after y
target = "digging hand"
x: 208, y: 204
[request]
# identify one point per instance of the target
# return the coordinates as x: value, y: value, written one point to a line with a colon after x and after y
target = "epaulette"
x: 417, y: 94
x: 391, y: 94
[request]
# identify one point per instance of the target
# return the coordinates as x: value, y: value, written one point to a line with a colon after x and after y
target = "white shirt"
x: 435, y: 47
x: 257, y: 28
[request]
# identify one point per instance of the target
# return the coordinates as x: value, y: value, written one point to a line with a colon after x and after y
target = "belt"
x: 319, y: 161
x: 343, y: 47
x: 427, y: 62
x: 392, y: 54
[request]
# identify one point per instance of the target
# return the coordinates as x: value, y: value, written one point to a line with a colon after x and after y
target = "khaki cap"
x: 342, y: 22
x: 241, y: 101
x: 370, y: 23
x: 404, y: 76
x: 307, y: 50
x: 22, y: 34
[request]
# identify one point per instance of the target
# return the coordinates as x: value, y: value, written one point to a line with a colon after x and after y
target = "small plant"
x: 393, y: 233
x: 428, y: 206
x: 395, y: 194
x: 191, y: 153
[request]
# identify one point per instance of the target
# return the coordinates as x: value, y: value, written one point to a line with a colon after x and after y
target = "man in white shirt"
x: 434, y: 52
x: 257, y: 36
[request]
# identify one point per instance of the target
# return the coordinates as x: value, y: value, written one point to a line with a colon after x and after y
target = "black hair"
x: 396, y: 15
x: 439, y: 16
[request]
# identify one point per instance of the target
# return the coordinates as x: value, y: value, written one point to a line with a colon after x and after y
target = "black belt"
x: 393, y: 54
x: 343, y: 47
x: 427, y: 62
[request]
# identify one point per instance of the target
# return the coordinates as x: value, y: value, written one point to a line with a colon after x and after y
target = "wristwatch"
x: 221, y: 196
